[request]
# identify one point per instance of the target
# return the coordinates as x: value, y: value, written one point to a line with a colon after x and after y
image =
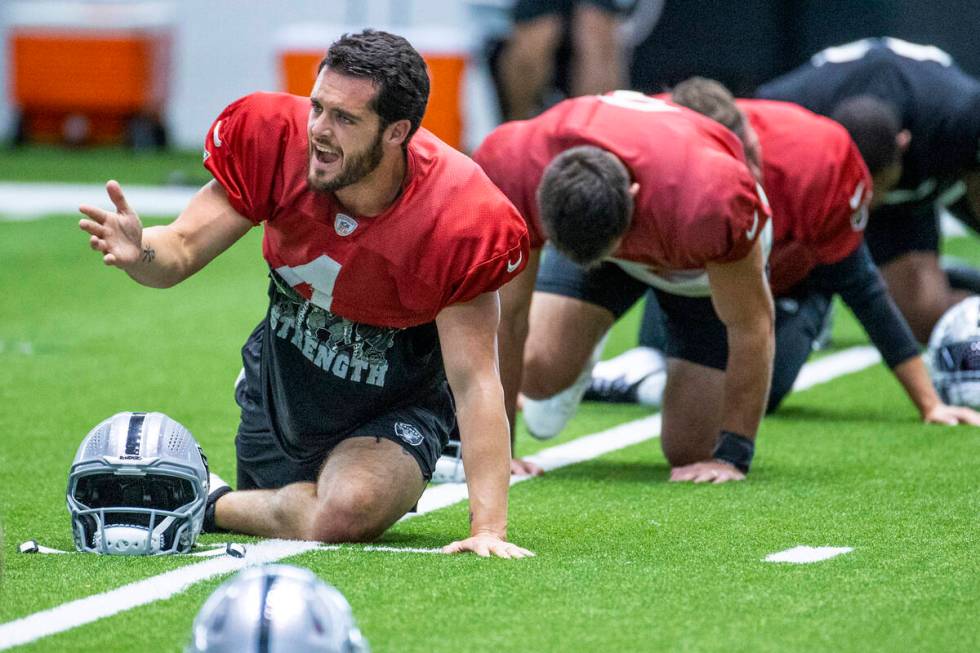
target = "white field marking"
x: 157, y: 588
x: 801, y: 555
x: 30, y: 201
x: 576, y: 451
x: 23, y: 347
x: 163, y: 586
x: 830, y: 367
x: 33, y: 200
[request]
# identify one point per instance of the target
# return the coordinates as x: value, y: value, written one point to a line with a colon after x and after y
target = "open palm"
x: 118, y: 235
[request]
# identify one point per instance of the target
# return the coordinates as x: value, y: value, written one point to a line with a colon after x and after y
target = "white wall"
x: 224, y: 49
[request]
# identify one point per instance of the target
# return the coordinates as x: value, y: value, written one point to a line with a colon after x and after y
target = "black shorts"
x: 799, y: 320
x: 898, y: 229
x: 693, y: 330
x: 421, y: 428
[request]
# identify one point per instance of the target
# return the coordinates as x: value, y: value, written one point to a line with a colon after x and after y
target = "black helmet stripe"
x: 134, y: 437
x: 265, y: 624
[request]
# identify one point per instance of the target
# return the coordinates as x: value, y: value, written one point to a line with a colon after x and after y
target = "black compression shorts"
x: 694, y: 331
x: 898, y: 229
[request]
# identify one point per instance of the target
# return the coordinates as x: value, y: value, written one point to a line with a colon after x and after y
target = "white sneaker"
x: 449, y: 467
x: 650, y: 391
x: 545, y: 418
x: 635, y: 376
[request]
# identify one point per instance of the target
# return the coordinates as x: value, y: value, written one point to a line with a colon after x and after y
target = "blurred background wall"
x: 222, y: 49
x: 748, y: 42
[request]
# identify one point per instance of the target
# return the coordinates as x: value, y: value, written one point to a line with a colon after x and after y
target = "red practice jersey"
x: 697, y: 200
x: 818, y: 187
x: 450, y: 236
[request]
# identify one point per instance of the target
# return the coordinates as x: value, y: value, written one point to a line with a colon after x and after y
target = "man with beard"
x: 386, y: 249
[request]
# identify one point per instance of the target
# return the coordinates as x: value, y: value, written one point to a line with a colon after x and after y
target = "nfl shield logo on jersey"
x: 344, y: 225
x: 408, y: 433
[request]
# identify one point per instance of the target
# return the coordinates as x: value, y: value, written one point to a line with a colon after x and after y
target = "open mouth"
x: 325, y: 155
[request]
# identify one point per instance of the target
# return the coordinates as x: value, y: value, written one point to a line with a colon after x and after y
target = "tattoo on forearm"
x: 148, y: 254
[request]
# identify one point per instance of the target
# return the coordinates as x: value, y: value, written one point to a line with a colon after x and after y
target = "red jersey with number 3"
x: 818, y: 186
x: 450, y: 235
x: 697, y: 200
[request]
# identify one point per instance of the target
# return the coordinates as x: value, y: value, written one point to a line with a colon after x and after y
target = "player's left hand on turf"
x: 521, y: 467
x: 709, y: 471
x: 486, y: 545
x: 952, y: 415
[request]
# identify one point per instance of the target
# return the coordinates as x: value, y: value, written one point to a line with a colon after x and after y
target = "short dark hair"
x: 585, y: 203
x: 394, y: 66
x: 712, y: 99
x: 873, y: 124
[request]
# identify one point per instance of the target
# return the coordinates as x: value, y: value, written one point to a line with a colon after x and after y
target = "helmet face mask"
x: 954, y: 354
x: 138, y: 486
x: 288, y: 608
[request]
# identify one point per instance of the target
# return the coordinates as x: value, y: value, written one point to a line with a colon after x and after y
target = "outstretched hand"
x: 708, y: 471
x: 952, y: 415
x: 118, y: 235
x: 486, y: 545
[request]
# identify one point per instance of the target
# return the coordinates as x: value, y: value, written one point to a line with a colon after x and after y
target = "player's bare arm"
x: 164, y: 256
x: 467, y: 334
x: 914, y: 377
x: 741, y: 297
x: 515, y: 304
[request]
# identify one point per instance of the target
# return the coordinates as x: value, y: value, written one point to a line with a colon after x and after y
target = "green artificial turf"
x: 39, y: 163
x: 626, y: 561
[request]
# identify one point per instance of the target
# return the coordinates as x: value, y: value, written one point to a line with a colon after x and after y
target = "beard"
x: 356, y: 167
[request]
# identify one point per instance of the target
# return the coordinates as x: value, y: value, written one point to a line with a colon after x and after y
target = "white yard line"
x: 20, y: 201
x: 802, y: 555
x: 157, y: 588
x: 576, y: 451
x: 830, y: 367
x: 163, y: 586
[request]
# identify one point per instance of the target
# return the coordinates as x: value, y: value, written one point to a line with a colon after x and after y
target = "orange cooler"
x: 80, y: 72
x: 301, y: 48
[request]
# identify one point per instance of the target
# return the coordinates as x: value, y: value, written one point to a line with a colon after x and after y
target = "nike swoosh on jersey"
x: 750, y: 234
x: 214, y: 136
x: 513, y: 266
x: 858, y: 195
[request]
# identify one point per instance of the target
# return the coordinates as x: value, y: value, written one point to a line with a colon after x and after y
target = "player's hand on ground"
x: 709, y: 471
x: 952, y: 415
x: 486, y: 545
x: 521, y: 467
x: 118, y: 235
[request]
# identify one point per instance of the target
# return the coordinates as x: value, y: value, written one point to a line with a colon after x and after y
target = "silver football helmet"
x: 954, y: 354
x: 276, y: 609
x: 138, y: 486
